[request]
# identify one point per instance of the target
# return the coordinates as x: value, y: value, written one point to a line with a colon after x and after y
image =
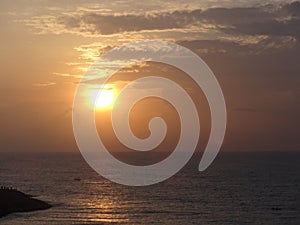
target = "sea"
x: 238, y: 188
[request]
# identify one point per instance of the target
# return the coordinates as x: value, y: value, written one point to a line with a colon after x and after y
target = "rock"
x: 15, y: 201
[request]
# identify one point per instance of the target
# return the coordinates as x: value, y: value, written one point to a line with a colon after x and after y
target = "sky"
x: 253, y: 48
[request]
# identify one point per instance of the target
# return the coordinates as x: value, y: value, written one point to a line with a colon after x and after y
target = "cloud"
x: 109, y: 24
x: 44, y: 84
x: 93, y: 23
x: 272, y: 20
x: 242, y: 45
x: 284, y: 21
x: 92, y: 51
x: 67, y: 75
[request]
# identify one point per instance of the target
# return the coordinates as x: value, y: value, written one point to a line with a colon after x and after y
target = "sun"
x: 102, y: 97
x: 105, y: 98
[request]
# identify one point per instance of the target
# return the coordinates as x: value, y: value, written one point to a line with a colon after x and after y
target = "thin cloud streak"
x: 44, y: 84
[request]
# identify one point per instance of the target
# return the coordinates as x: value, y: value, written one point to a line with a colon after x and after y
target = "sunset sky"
x: 253, y: 49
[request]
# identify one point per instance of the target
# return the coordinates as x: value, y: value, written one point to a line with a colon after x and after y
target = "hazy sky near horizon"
x: 47, y: 45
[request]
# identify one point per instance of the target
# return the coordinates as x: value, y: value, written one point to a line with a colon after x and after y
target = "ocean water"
x: 238, y: 188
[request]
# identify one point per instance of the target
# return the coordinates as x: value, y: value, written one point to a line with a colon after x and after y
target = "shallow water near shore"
x: 238, y: 188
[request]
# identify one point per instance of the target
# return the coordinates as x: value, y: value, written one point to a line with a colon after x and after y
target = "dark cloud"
x: 230, y: 16
x: 110, y: 24
x: 292, y: 9
x: 271, y: 27
x: 264, y: 20
x: 261, y: 20
x: 284, y: 21
x: 265, y: 46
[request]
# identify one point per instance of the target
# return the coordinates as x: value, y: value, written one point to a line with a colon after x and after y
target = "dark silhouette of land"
x: 12, y: 201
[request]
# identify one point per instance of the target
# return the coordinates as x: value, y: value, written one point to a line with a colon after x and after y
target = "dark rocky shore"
x: 12, y: 201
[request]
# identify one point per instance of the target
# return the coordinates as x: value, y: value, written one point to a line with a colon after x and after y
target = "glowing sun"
x: 105, y: 98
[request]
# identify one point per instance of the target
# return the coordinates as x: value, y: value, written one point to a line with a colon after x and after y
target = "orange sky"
x: 46, y: 46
